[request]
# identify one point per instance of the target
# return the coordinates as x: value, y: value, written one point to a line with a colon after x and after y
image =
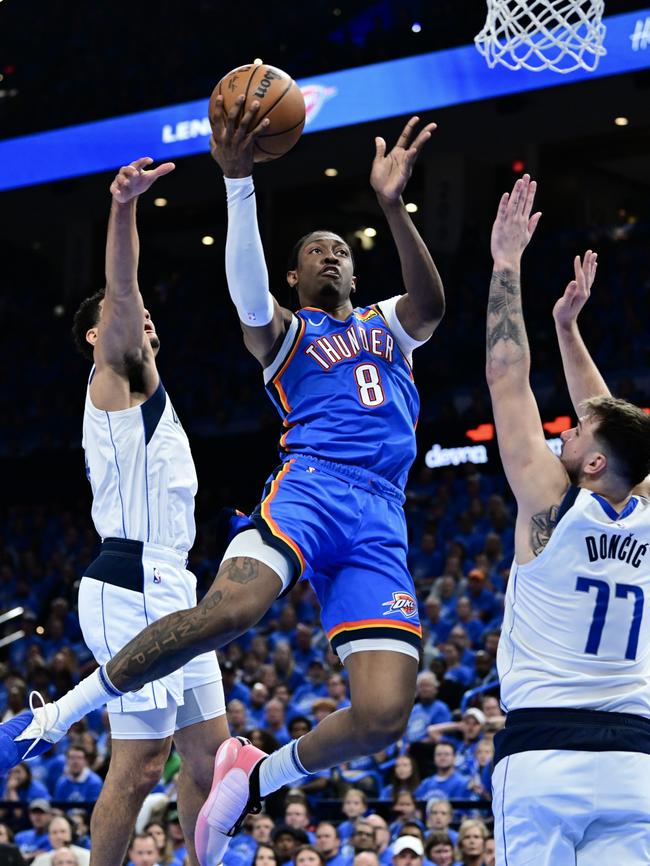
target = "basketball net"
x: 562, y: 35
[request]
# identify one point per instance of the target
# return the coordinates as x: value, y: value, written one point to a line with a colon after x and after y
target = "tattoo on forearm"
x: 505, y: 319
x: 170, y: 642
x: 542, y: 525
x: 164, y: 645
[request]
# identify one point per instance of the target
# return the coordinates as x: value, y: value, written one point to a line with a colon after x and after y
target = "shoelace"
x: 40, y: 725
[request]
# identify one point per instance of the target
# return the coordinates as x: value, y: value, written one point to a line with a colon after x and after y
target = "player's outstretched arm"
x: 582, y: 375
x: 423, y: 306
x: 121, y: 340
x: 263, y: 321
x: 536, y: 476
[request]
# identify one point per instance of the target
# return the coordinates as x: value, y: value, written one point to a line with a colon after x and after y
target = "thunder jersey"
x: 576, y: 631
x: 141, y: 471
x: 345, y: 392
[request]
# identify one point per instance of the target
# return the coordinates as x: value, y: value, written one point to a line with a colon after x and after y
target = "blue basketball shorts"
x: 344, y: 530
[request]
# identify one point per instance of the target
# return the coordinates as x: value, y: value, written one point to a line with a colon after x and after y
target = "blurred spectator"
x: 237, y: 718
x: 382, y: 838
x: 257, y: 699
x: 164, y: 847
x: 490, y: 852
x: 232, y: 688
x: 78, y: 783
x: 403, y: 776
x: 35, y: 841
x: 355, y: 804
x: 314, y: 687
x: 286, y: 841
x: 427, y: 709
x: 362, y: 838
x: 365, y: 858
x: 446, y: 780
x: 472, y: 837
x: 296, y: 816
x: 298, y: 726
x: 439, y: 816
x: 143, y: 850
x: 21, y: 787
x: 328, y: 843
x: 439, y: 849
x: 337, y: 690
x: 406, y: 809
x: 175, y: 833
x: 274, y: 721
x: 65, y: 857
x: 408, y: 851
x: 265, y: 856
x: 308, y: 855
x: 59, y: 833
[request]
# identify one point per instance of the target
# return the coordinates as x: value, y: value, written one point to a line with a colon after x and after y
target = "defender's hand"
x: 390, y: 171
x: 132, y: 180
x: 576, y: 294
x: 514, y: 226
x: 233, y: 137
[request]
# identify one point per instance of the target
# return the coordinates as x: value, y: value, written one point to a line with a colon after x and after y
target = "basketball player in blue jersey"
x: 143, y: 480
x: 332, y: 513
x: 571, y: 783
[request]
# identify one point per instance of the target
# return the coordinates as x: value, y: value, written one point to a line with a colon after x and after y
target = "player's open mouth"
x: 330, y: 272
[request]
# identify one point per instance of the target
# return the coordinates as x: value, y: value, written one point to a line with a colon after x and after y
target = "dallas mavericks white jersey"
x: 142, y: 474
x: 576, y: 629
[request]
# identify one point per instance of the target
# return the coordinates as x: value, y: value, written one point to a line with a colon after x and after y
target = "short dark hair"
x: 292, y: 263
x: 624, y: 430
x: 84, y: 319
x: 434, y: 839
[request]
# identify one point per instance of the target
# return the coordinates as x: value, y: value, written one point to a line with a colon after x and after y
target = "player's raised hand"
x: 233, y: 136
x: 514, y: 225
x: 390, y: 171
x: 132, y: 180
x: 576, y: 294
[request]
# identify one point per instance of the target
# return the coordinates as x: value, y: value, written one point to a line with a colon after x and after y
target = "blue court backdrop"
x: 405, y: 86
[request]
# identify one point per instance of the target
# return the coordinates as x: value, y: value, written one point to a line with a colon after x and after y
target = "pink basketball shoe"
x: 235, y: 792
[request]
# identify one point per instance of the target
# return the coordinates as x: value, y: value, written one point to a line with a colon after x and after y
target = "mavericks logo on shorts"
x: 402, y: 602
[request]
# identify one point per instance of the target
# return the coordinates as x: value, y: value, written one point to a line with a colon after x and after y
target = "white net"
x: 562, y: 35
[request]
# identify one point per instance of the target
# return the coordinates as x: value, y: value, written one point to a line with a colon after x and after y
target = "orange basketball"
x: 280, y: 100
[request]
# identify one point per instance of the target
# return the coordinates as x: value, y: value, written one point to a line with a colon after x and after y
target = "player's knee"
x: 382, y: 724
x: 150, y: 773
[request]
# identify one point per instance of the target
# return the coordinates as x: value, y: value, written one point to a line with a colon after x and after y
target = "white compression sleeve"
x: 248, y: 279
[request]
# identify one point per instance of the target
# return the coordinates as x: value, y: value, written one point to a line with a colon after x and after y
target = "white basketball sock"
x: 281, y: 768
x: 91, y: 693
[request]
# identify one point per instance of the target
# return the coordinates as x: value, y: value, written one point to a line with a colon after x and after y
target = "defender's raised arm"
x: 121, y: 343
x: 537, y: 477
x: 582, y: 375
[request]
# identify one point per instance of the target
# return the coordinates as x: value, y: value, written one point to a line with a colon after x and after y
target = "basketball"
x: 280, y: 101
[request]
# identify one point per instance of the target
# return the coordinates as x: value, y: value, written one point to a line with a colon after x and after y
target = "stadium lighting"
x: 416, y: 27
x: 160, y: 202
x: 207, y: 240
x: 411, y: 207
x: 331, y: 172
x: 621, y: 121
x: 369, y: 232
